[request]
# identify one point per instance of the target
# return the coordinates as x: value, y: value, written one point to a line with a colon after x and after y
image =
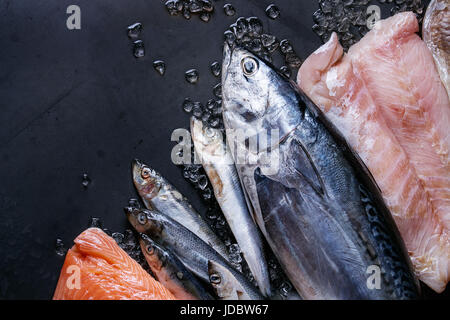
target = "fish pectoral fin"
x: 318, y: 190
x: 250, y: 206
x: 299, y: 170
x: 281, y: 189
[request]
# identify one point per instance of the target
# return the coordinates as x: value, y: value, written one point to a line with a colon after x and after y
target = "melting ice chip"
x: 59, y: 247
x: 205, y: 16
x: 138, y: 49
x: 160, y: 67
x: 229, y: 9
x: 272, y: 11
x: 134, y: 30
x: 267, y: 40
x: 285, y: 71
x: 191, y: 76
x: 188, y: 105
x: 86, y: 180
x: 216, y: 68
x: 217, y: 90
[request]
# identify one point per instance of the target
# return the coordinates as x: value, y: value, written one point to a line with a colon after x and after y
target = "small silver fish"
x: 171, y: 272
x: 436, y: 34
x: 219, y: 167
x: 188, y: 247
x: 158, y: 194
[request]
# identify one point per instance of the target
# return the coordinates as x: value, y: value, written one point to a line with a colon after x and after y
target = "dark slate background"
x: 76, y: 101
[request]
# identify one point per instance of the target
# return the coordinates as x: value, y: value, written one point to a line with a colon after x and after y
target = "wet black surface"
x: 75, y: 102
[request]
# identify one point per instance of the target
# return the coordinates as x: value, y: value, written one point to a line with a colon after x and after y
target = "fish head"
x: 255, y: 97
x: 206, y: 139
x: 246, y: 83
x: 143, y: 220
x: 153, y: 253
x: 224, y: 283
x: 147, y: 181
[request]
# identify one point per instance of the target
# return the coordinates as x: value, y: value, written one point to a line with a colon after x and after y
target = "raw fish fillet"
x: 106, y: 272
x: 400, y: 73
x: 386, y: 98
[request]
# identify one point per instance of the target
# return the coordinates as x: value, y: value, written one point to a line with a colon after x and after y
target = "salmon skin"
x: 96, y: 268
x: 386, y: 98
x: 319, y: 209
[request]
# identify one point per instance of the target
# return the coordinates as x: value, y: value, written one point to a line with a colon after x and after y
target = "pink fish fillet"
x: 386, y: 98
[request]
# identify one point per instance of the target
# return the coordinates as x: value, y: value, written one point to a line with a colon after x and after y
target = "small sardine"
x: 171, y: 272
x: 158, y: 194
x: 188, y: 247
x: 219, y: 167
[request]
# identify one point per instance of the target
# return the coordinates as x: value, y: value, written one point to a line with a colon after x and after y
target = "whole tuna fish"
x: 315, y: 202
x: 219, y: 166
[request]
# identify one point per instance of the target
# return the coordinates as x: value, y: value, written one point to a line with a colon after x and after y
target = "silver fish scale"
x: 399, y: 276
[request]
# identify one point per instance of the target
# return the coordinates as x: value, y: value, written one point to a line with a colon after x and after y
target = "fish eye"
x: 145, y: 173
x: 215, y: 278
x: 210, y: 133
x: 150, y: 249
x: 142, y: 218
x: 213, y: 135
x: 249, y: 66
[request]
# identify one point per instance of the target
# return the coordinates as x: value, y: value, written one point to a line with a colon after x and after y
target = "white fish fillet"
x: 386, y: 98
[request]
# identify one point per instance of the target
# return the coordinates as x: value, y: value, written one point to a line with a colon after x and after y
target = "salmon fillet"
x: 386, y: 98
x: 106, y: 272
